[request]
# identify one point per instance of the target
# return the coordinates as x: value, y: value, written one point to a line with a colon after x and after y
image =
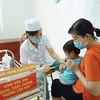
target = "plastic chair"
x: 22, y: 39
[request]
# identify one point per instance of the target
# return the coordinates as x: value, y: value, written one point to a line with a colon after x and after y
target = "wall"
x: 55, y: 18
x: 14, y: 13
x: 7, y: 45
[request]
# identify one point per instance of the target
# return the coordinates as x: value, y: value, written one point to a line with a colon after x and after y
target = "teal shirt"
x: 68, y: 76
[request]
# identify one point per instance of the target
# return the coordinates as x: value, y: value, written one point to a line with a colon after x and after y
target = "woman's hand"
x: 73, y: 66
x: 44, y: 68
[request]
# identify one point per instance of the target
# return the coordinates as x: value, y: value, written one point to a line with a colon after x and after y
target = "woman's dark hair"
x: 82, y: 27
x: 31, y: 33
x: 69, y: 47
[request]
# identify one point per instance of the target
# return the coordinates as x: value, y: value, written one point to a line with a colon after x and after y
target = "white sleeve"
x: 23, y: 56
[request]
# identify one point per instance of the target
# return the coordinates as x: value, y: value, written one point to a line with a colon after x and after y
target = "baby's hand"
x: 62, y: 67
x: 66, y: 59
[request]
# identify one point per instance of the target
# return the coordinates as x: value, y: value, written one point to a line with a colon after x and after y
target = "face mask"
x: 79, y: 45
x: 36, y: 40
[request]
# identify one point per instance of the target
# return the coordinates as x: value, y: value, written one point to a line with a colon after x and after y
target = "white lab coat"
x: 30, y: 54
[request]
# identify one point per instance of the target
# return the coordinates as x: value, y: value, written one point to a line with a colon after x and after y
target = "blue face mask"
x: 79, y: 45
x: 36, y: 40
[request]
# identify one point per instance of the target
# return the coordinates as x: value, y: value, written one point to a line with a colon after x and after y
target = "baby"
x: 68, y: 77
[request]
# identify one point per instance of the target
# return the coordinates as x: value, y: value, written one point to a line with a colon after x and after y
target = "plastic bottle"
x: 1, y: 67
x: 6, y: 59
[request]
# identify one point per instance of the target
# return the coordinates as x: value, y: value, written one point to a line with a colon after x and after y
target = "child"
x: 68, y: 77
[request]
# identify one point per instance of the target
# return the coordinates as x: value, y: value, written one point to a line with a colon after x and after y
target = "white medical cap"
x: 32, y: 24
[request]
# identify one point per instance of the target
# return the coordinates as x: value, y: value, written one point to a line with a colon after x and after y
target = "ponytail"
x: 97, y: 32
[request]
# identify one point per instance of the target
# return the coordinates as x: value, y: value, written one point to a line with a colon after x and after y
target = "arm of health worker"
x: 54, y: 55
